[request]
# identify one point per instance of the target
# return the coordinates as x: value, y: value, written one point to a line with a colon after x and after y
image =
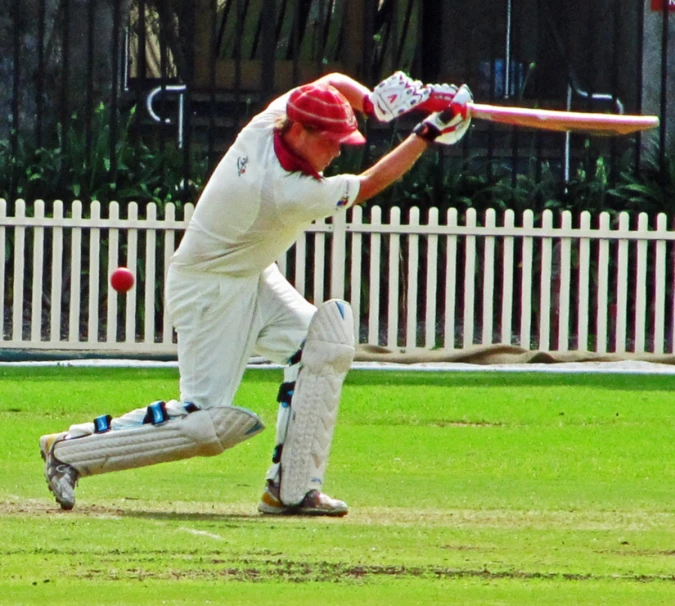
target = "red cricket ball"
x: 122, y: 279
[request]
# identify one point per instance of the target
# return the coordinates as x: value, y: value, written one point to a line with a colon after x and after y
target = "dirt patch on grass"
x: 647, y: 553
x: 466, y: 424
x: 176, y: 511
x: 214, y: 559
x: 37, y: 507
x: 321, y: 571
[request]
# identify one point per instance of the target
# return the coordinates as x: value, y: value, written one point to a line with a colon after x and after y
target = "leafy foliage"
x: 445, y: 181
x: 652, y: 190
x: 480, y: 185
x: 78, y: 166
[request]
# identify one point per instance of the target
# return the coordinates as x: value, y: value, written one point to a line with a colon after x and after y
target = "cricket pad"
x: 326, y: 358
x: 202, y: 433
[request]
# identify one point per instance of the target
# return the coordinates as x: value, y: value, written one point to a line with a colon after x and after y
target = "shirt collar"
x: 291, y: 161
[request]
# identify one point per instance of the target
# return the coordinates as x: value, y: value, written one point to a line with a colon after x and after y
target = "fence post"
x: 583, y: 308
x: 393, y: 307
x: 601, y: 331
x: 355, y: 270
x: 338, y: 256
x: 413, y: 276
x: 546, y: 281
x: 508, y: 280
x: 622, y: 285
x: 432, y: 288
x: 564, y: 279
x: 487, y: 326
x: 113, y: 261
x: 19, y: 272
x: 38, y: 264
x: 132, y: 264
x: 374, y: 275
x: 641, y: 284
x: 319, y: 265
x: 468, y: 322
x: 450, y: 281
x: 169, y: 247
x: 76, y: 271
x: 660, y: 286
x: 526, y: 283
x: 3, y: 215
x: 150, y: 274
x: 57, y: 273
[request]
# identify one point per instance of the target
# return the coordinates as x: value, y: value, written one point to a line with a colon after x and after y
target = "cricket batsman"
x: 228, y: 300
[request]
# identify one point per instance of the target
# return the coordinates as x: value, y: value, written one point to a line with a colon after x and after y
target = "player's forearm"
x: 390, y: 168
x: 354, y: 91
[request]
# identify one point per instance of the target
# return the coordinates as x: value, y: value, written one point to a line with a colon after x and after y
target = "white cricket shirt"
x: 252, y: 210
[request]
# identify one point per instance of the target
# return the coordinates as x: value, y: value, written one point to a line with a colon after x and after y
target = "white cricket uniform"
x: 226, y: 297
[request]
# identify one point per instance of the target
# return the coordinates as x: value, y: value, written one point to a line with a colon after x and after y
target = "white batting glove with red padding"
x: 451, y: 124
x: 440, y: 96
x: 395, y: 96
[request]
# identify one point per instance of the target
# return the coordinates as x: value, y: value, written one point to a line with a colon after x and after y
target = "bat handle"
x: 454, y: 109
x: 447, y: 114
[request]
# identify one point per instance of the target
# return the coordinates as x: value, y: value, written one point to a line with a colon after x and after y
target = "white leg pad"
x: 326, y: 358
x: 200, y: 433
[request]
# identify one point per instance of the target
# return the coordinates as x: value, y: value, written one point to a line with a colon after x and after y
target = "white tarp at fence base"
x: 474, y: 359
x: 622, y: 367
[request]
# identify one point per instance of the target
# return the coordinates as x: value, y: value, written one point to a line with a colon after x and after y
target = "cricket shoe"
x: 315, y: 503
x: 61, y: 478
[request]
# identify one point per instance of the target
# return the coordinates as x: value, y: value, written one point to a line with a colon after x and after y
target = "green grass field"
x: 464, y: 488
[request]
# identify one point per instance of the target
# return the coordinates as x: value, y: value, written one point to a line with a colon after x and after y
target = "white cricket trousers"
x: 222, y: 320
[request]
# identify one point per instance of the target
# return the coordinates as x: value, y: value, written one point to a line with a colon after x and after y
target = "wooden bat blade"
x: 564, y: 121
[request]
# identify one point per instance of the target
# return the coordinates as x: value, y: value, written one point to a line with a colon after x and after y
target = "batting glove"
x: 451, y: 124
x: 439, y: 97
x: 395, y: 96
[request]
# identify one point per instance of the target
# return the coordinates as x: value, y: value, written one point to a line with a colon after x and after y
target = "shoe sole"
x: 44, y: 450
x: 297, y: 511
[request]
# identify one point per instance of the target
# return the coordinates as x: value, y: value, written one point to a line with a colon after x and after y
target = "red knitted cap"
x: 326, y: 109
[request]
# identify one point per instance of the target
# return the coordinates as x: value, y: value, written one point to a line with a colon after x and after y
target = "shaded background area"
x: 120, y: 83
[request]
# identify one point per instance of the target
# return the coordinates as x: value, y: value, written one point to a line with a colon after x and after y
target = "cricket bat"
x: 564, y: 121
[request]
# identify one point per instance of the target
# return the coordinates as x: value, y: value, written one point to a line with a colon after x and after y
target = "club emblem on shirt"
x: 241, y: 165
x: 344, y: 200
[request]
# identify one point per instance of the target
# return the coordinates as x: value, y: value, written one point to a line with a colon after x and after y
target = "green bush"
x: 74, y: 167
x: 145, y: 171
x: 478, y: 184
x: 452, y: 181
x: 652, y: 190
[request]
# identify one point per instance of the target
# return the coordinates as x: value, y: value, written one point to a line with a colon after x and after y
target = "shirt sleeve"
x: 306, y: 199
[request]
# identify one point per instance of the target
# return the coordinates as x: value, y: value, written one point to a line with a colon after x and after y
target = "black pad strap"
x: 286, y: 391
x: 295, y: 358
x: 156, y: 413
x: 102, y: 423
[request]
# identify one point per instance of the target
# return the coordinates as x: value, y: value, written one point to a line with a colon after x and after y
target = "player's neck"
x: 290, y: 157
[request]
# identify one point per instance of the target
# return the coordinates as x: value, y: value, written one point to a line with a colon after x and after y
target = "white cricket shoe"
x: 61, y: 478
x: 315, y: 503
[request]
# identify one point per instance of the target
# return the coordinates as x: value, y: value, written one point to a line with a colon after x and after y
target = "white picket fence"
x: 556, y: 282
